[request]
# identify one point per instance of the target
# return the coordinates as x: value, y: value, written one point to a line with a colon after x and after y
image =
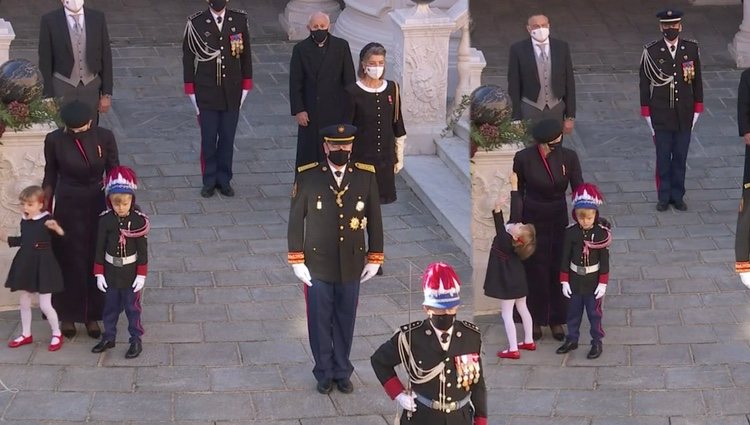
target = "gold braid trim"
x: 375, y: 257
x: 742, y: 266
x: 297, y: 257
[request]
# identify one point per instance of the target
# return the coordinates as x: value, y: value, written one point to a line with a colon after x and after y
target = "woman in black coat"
x: 545, y: 171
x: 76, y: 160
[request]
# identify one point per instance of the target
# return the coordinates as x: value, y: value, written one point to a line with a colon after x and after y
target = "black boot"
x: 102, y: 346
x: 568, y: 346
x: 134, y: 350
x: 595, y: 352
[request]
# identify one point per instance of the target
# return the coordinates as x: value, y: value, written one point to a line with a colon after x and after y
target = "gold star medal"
x: 354, y: 223
x: 363, y: 223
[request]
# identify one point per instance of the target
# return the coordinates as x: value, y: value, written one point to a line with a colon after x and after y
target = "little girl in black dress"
x: 34, y: 269
x: 506, y: 277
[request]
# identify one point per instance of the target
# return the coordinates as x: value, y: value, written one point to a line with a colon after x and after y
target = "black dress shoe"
x: 92, y: 328
x: 595, y: 352
x: 567, y: 347
x: 345, y: 385
x: 103, y: 345
x: 226, y: 191
x: 557, y: 332
x: 325, y: 386
x: 134, y: 350
x: 661, y: 206
x: 680, y: 205
x: 536, y: 333
x: 68, y: 329
x: 208, y: 191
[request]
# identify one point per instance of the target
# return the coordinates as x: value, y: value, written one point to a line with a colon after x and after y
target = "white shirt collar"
x: 544, y: 43
x: 69, y: 15
x: 439, y: 332
x: 216, y: 15
x: 371, y: 90
x: 36, y: 217
x: 333, y: 169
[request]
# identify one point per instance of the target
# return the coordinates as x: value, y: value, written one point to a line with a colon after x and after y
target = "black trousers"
x: 217, y: 145
x: 671, y: 164
x: 118, y: 300
x: 575, y: 314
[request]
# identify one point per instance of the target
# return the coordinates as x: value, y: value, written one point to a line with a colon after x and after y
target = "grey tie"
x: 543, y: 52
x: 77, y: 23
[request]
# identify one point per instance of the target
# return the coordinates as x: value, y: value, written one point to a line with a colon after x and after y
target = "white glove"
x: 407, y: 401
x: 302, y: 273
x: 101, y: 282
x: 745, y: 278
x: 650, y: 126
x: 695, y: 118
x: 138, y: 283
x: 600, y: 290
x: 399, y: 154
x: 195, y: 104
x: 244, y: 95
x: 566, y: 289
x: 368, y: 272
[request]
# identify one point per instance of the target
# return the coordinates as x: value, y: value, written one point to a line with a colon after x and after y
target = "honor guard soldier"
x: 217, y: 70
x: 671, y: 90
x: 333, y: 205
x: 441, y: 357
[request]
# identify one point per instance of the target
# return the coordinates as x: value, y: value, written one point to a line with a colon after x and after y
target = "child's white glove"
x: 407, y: 401
x: 600, y: 290
x: 302, y: 273
x: 650, y: 126
x: 370, y: 270
x: 195, y: 104
x: 101, y: 282
x: 138, y: 283
x: 244, y: 95
x: 566, y: 289
x: 745, y: 278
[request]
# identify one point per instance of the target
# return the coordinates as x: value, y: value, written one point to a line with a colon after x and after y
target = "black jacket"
x: 743, y: 103
x: 572, y: 252
x: 215, y: 88
x: 107, y: 242
x: 506, y: 277
x: 523, y: 76
x: 56, y: 49
x: 330, y: 238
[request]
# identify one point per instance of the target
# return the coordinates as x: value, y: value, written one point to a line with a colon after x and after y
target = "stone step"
x: 454, y: 152
x: 439, y: 187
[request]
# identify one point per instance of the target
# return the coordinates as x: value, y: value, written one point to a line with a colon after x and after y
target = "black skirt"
x: 34, y: 268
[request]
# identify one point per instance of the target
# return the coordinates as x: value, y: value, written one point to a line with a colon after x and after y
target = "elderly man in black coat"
x: 320, y: 69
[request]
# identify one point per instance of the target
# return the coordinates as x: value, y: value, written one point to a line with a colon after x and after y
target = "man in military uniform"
x: 441, y: 357
x: 333, y: 204
x: 671, y: 100
x: 742, y: 236
x: 217, y: 70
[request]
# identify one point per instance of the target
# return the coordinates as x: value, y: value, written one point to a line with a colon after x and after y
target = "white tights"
x: 506, y: 307
x: 45, y: 304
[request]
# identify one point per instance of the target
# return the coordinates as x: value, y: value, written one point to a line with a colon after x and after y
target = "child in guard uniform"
x: 121, y: 260
x: 584, y: 269
x: 34, y: 269
x: 441, y: 357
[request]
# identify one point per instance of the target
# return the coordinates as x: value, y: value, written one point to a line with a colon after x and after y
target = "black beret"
x: 669, y: 15
x: 76, y: 114
x: 547, y: 130
x: 341, y: 134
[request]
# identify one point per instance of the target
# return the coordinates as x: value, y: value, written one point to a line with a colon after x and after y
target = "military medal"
x: 688, y: 71
x: 360, y: 206
x: 354, y: 223
x: 235, y: 42
x: 363, y: 223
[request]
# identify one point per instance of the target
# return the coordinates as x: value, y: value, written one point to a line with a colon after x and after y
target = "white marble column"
x: 6, y: 37
x: 297, y: 13
x: 420, y: 64
x: 739, y: 48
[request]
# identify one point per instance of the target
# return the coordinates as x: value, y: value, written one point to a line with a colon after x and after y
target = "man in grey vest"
x: 540, y: 77
x: 75, y: 56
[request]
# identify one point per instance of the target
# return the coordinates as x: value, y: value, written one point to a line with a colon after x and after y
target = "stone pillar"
x: 6, y: 37
x: 739, y: 48
x: 297, y: 14
x: 21, y: 165
x: 420, y: 64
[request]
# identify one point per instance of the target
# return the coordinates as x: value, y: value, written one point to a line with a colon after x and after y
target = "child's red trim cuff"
x: 393, y: 387
x: 189, y: 88
x: 564, y: 277
x: 247, y: 84
x: 141, y: 269
x: 698, y: 107
x: 603, y: 278
x: 98, y: 269
x: 480, y: 420
x: 645, y: 111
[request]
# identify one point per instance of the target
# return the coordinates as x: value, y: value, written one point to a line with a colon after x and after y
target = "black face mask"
x: 553, y: 146
x: 442, y: 322
x: 319, y: 36
x: 671, y: 33
x: 340, y: 157
x: 218, y: 5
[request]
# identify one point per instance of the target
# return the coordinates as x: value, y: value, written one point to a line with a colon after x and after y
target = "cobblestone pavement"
x: 226, y: 336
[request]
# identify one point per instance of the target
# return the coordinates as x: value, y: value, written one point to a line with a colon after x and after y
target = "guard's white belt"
x: 120, y: 261
x: 581, y: 270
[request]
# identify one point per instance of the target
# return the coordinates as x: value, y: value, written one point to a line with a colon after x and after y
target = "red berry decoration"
x: 19, y: 111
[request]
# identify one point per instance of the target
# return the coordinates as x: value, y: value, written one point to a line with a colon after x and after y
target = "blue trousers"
x: 331, y: 312
x: 671, y: 164
x: 217, y: 146
x: 575, y: 315
x: 115, y: 301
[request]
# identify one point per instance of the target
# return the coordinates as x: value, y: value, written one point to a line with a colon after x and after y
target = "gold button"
x: 448, y: 371
x: 447, y: 359
x: 448, y: 385
x: 341, y: 239
x: 341, y: 215
x: 341, y: 227
x: 449, y: 399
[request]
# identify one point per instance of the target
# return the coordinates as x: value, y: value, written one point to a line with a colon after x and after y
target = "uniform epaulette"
x: 471, y: 326
x: 140, y: 213
x: 105, y: 212
x: 366, y: 167
x: 195, y: 15
x: 240, y: 11
x: 306, y: 167
x: 649, y: 44
x: 690, y: 40
x: 411, y: 325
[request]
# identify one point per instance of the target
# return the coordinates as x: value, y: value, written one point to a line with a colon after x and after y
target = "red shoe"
x: 506, y: 354
x: 55, y: 347
x: 21, y: 340
x: 530, y: 346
